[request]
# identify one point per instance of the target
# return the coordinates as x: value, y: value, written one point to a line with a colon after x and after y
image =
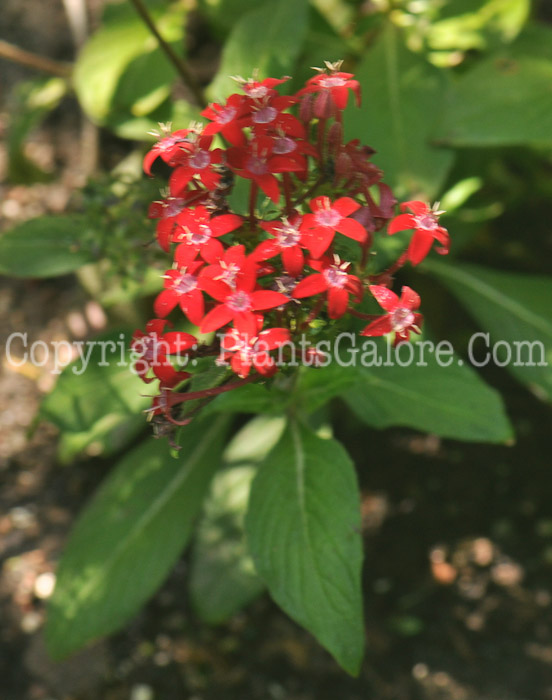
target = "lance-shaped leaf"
x: 98, y: 402
x: 450, y: 401
x: 47, y: 246
x: 399, y: 116
x: 130, y: 536
x: 505, y: 99
x: 515, y: 309
x: 222, y: 576
x: 303, y: 531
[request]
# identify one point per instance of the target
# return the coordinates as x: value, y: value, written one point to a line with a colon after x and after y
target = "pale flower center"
x: 265, y: 115
x: 330, y: 81
x: 173, y: 207
x: 239, y: 301
x: 288, y: 236
x: 328, y: 217
x: 150, y: 348
x: 401, y: 319
x: 335, y: 277
x: 226, y: 115
x: 257, y: 92
x: 199, y: 160
x: 427, y: 222
x: 201, y: 236
x: 284, y: 145
x: 257, y: 166
x: 185, y: 283
x: 169, y: 142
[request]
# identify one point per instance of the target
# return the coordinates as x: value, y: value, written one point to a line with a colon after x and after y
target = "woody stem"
x: 178, y: 63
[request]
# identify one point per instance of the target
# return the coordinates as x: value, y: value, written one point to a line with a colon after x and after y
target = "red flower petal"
x: 419, y: 247
x: 345, y: 206
x: 311, y: 285
x: 193, y: 306
x: 415, y: 206
x: 246, y: 323
x: 338, y: 300
x: 178, y: 180
x: 409, y: 298
x: 216, y: 318
x: 402, y: 222
x: 266, y: 299
x: 352, y: 229
x: 318, y: 240
x: 293, y: 260
x: 215, y: 288
x: 269, y: 185
x: 165, y: 303
x: 273, y: 338
x: 387, y: 299
x: 225, y: 223
x: 380, y: 326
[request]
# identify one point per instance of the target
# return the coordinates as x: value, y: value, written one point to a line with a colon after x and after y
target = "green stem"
x: 178, y: 63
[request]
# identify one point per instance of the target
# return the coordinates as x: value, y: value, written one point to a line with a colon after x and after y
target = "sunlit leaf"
x: 130, y: 535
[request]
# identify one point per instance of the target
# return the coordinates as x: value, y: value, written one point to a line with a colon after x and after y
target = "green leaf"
x: 402, y: 100
x: 450, y: 401
x: 97, y: 402
x: 255, y: 440
x: 268, y: 39
x: 515, y: 309
x: 31, y: 102
x: 122, y: 72
x: 506, y: 99
x: 303, y: 531
x: 223, y: 577
x: 45, y: 247
x: 468, y: 25
x: 129, y: 537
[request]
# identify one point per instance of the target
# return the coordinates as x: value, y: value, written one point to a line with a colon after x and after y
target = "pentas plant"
x: 296, y: 264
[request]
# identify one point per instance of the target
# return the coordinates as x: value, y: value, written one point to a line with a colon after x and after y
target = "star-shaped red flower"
x: 400, y: 317
x: 425, y: 222
x: 327, y: 218
x: 334, y: 279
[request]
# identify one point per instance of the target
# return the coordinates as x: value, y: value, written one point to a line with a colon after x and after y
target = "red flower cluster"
x: 262, y: 280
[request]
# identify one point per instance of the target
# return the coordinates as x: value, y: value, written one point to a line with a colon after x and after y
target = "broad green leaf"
x: 448, y: 401
x: 403, y: 94
x: 322, y: 43
x: 129, y: 537
x: 223, y: 577
x: 303, y: 531
x: 48, y: 246
x: 267, y: 39
x: 97, y: 402
x: 505, y: 100
x: 515, y: 309
x: 121, y: 72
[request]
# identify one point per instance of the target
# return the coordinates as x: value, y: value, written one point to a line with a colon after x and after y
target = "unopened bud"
x: 335, y: 137
x: 306, y: 112
x: 323, y: 105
